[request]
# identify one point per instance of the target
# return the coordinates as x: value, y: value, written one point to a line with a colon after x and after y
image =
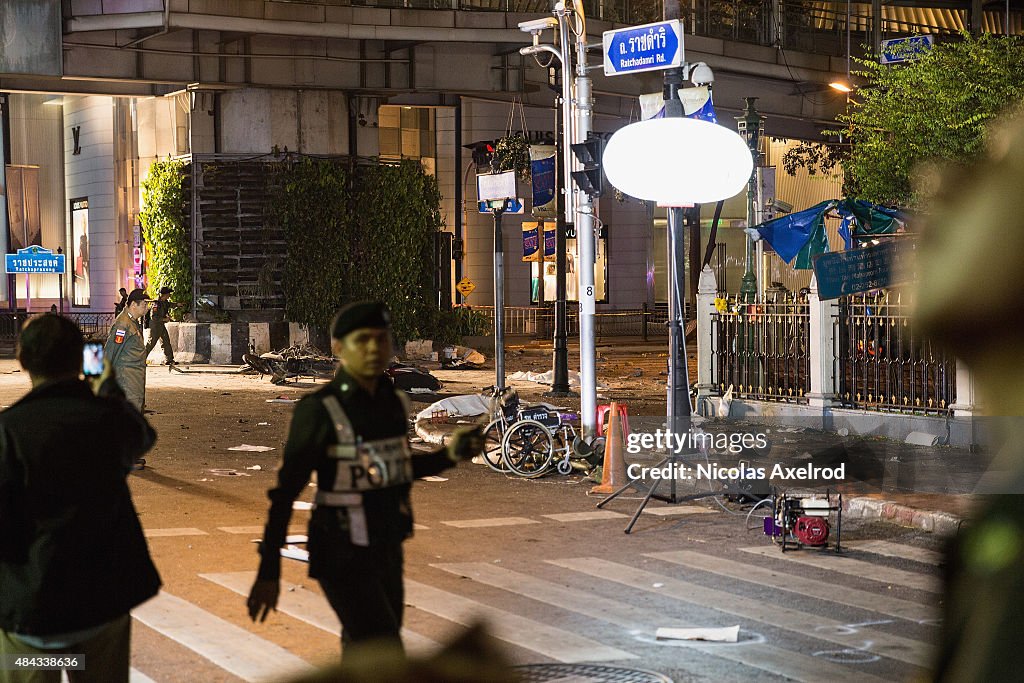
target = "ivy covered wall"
x: 352, y: 229
x: 164, y: 229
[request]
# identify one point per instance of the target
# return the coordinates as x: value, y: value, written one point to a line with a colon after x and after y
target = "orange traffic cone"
x: 613, y: 474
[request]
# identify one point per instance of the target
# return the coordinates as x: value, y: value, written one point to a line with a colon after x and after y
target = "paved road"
x: 556, y: 579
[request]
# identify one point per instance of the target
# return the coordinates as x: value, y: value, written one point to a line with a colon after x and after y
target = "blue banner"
x: 550, y: 235
x: 542, y: 171
x: 531, y: 241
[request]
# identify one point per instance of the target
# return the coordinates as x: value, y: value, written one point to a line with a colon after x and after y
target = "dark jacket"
x: 72, y: 552
x: 388, y: 510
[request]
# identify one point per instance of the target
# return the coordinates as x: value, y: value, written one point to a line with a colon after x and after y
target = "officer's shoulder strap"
x: 342, y: 425
x: 403, y: 398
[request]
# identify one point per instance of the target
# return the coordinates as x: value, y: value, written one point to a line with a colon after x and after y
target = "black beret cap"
x: 137, y: 295
x: 358, y: 315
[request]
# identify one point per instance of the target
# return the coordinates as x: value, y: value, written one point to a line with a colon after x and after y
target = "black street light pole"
x: 678, y: 408
x: 750, y: 126
x: 560, y: 353
x: 499, y: 297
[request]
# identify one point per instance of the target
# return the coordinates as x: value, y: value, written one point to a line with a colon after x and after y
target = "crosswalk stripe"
x: 672, y: 510
x: 900, y: 550
x: 823, y: 590
x: 257, y: 530
x: 559, y: 645
x: 584, y: 516
x: 182, y: 531
x: 230, y: 647
x: 136, y: 676
x: 312, y: 608
x: 759, y: 656
x: 852, y: 567
x: 494, y: 521
x: 895, y: 647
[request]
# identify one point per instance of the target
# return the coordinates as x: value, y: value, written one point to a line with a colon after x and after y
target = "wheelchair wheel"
x: 528, y: 448
x: 492, y: 446
x: 564, y: 467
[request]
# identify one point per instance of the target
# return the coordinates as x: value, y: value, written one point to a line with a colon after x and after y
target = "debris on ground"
x: 461, y: 357
x: 548, y: 378
x: 457, y: 406
x: 251, y: 449
x: 301, y: 360
x: 728, y: 634
x: 412, y: 379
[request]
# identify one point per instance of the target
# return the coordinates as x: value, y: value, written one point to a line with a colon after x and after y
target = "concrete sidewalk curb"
x: 932, y: 521
x: 854, y: 507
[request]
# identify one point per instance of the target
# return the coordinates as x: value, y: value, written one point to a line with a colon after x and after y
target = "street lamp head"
x: 535, y: 26
x: 841, y: 86
x: 677, y: 161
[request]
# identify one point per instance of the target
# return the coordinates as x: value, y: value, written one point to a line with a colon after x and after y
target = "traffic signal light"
x: 483, y: 152
x: 590, y: 178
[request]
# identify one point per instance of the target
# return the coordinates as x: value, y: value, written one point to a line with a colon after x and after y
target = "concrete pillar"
x: 823, y: 349
x: 964, y: 402
x: 707, y: 290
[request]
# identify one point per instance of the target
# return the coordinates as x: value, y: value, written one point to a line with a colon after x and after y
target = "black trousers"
x: 364, y: 586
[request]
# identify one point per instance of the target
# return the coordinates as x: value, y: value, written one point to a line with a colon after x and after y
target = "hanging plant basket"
x: 512, y: 153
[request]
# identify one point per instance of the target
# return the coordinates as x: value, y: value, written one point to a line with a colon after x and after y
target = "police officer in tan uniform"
x: 126, y: 349
x: 353, y: 434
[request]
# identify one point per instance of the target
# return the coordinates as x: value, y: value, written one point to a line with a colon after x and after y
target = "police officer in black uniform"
x: 353, y: 433
x: 159, y: 315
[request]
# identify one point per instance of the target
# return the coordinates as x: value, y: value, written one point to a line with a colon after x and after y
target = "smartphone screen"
x: 92, y: 359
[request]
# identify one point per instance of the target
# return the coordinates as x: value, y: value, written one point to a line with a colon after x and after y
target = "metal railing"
x: 539, y: 321
x: 10, y: 326
x: 883, y: 363
x: 800, y: 25
x: 763, y: 350
x: 94, y: 326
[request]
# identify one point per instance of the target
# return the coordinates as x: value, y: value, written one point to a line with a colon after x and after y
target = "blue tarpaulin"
x: 790, y: 234
x: 801, y: 235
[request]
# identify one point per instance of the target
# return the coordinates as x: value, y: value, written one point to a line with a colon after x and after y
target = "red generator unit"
x: 806, y: 520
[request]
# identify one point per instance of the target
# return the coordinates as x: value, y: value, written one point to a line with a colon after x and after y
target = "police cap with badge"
x: 359, y: 315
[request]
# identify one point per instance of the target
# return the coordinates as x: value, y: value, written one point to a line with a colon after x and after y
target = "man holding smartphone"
x: 73, y: 558
x: 126, y: 349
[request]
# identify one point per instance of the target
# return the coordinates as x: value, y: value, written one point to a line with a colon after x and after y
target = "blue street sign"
x: 861, y: 270
x: 643, y: 48
x: 514, y: 206
x: 34, y: 259
x: 907, y: 49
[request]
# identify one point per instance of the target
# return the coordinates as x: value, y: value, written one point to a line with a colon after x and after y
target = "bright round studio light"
x: 677, y: 161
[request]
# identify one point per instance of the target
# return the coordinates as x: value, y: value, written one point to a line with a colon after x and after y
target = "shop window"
x: 407, y: 133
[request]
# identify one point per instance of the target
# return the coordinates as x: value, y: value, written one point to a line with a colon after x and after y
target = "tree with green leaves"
x: 934, y: 109
x: 169, y: 258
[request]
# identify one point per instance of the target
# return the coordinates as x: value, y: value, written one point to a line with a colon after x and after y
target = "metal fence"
x: 95, y: 326
x: 883, y: 363
x: 763, y: 350
x: 539, y: 321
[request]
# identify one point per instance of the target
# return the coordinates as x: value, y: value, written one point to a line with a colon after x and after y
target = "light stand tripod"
x: 679, y: 412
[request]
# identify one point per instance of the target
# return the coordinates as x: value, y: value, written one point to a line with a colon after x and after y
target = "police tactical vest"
x: 360, y: 466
